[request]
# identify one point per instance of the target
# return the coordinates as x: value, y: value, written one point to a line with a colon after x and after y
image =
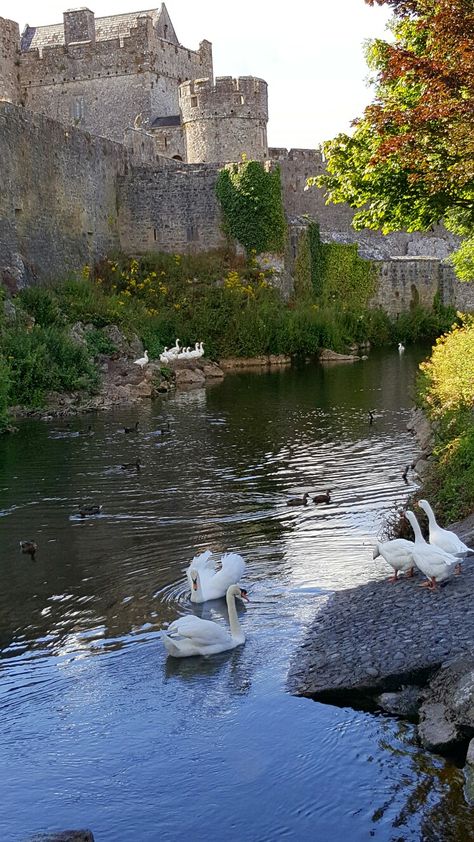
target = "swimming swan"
x: 209, y: 580
x: 432, y: 561
x: 398, y: 554
x: 445, y: 539
x: 192, y: 636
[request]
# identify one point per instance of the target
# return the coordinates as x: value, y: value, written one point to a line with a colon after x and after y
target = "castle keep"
x: 112, y: 135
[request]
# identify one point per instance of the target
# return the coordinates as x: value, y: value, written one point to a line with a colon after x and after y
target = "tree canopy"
x: 410, y: 161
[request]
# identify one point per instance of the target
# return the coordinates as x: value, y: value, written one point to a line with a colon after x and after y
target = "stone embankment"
x: 404, y: 649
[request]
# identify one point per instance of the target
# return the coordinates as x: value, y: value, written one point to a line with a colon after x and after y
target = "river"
x: 99, y: 728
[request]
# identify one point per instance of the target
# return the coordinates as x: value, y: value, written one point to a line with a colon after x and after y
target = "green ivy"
x: 251, y: 201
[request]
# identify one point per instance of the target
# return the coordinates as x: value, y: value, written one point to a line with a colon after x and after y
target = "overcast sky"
x: 309, y: 51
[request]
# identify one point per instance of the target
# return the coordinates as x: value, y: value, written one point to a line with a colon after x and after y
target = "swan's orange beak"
x: 195, y: 585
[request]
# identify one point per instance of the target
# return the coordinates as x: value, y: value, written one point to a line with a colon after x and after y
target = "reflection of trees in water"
x: 431, y: 792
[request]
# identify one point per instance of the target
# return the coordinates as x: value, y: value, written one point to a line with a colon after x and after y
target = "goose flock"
x: 437, y: 560
x: 178, y: 353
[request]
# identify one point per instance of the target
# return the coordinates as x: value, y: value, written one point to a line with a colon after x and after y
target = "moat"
x: 99, y: 728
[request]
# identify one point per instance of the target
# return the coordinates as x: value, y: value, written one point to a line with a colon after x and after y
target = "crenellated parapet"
x: 9, y: 61
x: 225, y: 119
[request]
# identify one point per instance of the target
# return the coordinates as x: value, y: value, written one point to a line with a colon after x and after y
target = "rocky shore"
x: 400, y: 648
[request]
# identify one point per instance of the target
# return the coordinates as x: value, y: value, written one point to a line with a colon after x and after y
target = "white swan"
x: 142, y: 361
x: 401, y: 348
x: 432, y: 561
x: 192, y: 636
x: 210, y: 580
x: 174, y: 351
x: 445, y: 539
x: 398, y: 554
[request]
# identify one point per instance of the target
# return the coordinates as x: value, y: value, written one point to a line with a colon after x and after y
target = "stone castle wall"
x: 58, y: 194
x: 173, y: 209
x: 224, y: 120
x: 9, y: 73
x: 102, y: 85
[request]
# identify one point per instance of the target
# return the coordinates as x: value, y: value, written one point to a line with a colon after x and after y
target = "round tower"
x: 224, y: 120
x: 9, y: 60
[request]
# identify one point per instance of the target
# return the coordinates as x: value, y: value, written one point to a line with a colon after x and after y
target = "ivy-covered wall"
x: 333, y: 272
x: 252, y: 206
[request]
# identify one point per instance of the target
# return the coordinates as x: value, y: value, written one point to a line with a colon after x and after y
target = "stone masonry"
x: 112, y: 135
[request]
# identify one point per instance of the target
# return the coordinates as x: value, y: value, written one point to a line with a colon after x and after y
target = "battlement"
x: 244, y: 97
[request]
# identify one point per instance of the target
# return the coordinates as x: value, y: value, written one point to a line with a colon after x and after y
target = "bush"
x: 4, y: 392
x: 41, y: 303
x: 43, y: 360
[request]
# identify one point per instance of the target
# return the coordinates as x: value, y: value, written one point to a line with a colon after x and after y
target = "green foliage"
x: 346, y: 278
x: 446, y: 391
x: 4, y: 392
x: 42, y: 360
x: 41, y: 303
x: 252, y: 205
x: 302, y: 269
x: 98, y: 343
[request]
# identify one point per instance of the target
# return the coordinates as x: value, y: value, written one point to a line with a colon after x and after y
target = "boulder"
x: 328, y: 356
x: 64, y: 836
x: 192, y: 377
x: 404, y: 702
x: 447, y: 712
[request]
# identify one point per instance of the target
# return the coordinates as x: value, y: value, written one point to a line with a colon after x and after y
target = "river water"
x: 98, y: 728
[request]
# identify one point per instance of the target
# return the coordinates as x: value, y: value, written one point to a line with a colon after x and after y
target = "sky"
x: 309, y: 51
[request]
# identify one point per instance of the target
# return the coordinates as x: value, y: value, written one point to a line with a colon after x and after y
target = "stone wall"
x: 297, y: 165
x: 58, y: 194
x: 9, y: 54
x: 405, y: 282
x: 102, y: 85
x: 455, y: 293
x: 173, y: 208
x: 224, y: 120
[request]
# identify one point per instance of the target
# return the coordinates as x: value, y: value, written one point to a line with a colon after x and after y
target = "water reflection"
x: 144, y: 731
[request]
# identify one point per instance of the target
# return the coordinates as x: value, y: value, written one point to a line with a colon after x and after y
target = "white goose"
x: 164, y: 356
x: 174, y: 351
x: 142, y: 361
x: 210, y: 580
x: 432, y: 561
x: 398, y: 554
x: 401, y: 348
x: 192, y: 636
x: 445, y: 538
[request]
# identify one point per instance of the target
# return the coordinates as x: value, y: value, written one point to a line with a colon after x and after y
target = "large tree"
x: 410, y: 160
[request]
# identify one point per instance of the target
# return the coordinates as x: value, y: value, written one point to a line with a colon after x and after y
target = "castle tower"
x: 224, y: 120
x: 9, y: 53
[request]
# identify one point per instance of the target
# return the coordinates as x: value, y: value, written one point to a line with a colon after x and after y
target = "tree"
x: 410, y: 161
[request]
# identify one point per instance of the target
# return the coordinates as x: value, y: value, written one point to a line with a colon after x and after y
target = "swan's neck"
x: 235, y: 629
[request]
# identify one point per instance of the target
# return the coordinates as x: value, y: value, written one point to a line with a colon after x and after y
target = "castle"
x: 112, y: 135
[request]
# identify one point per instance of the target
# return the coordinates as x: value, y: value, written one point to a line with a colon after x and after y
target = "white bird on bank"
x: 142, y: 361
x: 192, y: 636
x: 209, y: 579
x: 401, y: 348
x: 398, y: 554
x: 164, y: 356
x: 445, y: 539
x: 174, y: 351
x: 432, y: 561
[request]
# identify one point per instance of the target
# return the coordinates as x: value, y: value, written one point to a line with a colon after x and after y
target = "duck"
x: 191, y: 635
x: 209, y: 579
x: 298, y: 501
x: 142, y: 361
x: 29, y: 548
x: 89, y: 509
x: 401, y: 348
x: 323, y: 498
x: 436, y: 564
x: 445, y: 539
x: 133, y: 429
x: 371, y: 417
x: 132, y: 466
x: 405, y: 474
x: 398, y: 554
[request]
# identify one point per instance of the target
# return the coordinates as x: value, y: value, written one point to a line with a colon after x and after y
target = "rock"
x: 132, y: 347
x: 435, y: 729
x: 404, y: 702
x: 77, y: 334
x: 470, y: 753
x: 372, y: 671
x: 251, y: 362
x: 64, y: 836
x: 9, y: 311
x: 328, y: 356
x: 189, y: 377
x: 212, y: 370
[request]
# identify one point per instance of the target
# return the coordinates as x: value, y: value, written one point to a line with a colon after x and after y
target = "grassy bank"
x: 446, y: 392
x: 227, y: 302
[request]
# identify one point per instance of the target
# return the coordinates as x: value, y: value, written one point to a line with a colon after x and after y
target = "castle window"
x: 194, y: 101
x: 77, y: 109
x: 191, y: 233
x: 166, y: 33
x: 239, y: 100
x: 155, y: 234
